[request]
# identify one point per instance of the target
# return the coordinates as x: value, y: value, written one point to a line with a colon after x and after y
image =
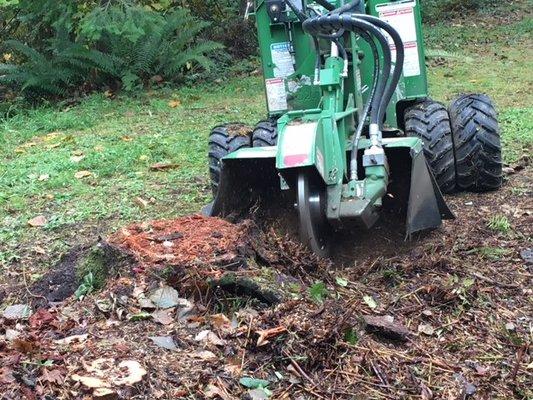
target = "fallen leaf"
x: 127, y: 138
x: 426, y: 329
x: 6, y: 376
x: 37, y: 221
x: 370, y: 302
x: 220, y: 321
x: 24, y: 346
x: 174, y: 103
x: 53, y: 376
x: 83, y: 174
x: 77, y: 159
x: 164, y: 317
x: 161, y: 166
x: 142, y: 202
x: 166, y: 297
x: 17, y: 311
x: 208, y: 336
x: 166, y: 342
x: 43, y: 177
x: 253, y: 383
x: 42, y: 317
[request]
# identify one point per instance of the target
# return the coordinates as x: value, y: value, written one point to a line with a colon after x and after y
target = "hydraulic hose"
x: 398, y: 66
x: 366, y: 110
x: 335, y: 22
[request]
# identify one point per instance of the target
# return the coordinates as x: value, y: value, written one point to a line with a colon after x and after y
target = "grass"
x: 499, y: 223
x: 117, y: 140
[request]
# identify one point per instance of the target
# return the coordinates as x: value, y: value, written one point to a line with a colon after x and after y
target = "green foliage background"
x: 51, y: 48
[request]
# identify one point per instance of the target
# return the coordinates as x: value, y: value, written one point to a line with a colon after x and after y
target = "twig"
x: 246, y: 341
x: 493, y: 282
x: 519, y: 357
x: 37, y: 296
x: 299, y: 369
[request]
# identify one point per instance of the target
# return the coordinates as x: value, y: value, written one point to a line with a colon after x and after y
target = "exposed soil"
x: 458, y: 301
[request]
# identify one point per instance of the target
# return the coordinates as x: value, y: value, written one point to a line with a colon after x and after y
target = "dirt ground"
x: 201, y: 308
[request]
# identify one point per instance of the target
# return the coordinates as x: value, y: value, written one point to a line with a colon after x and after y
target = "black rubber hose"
x: 398, y: 66
x: 366, y: 110
x: 301, y: 16
x: 327, y: 5
x: 327, y: 23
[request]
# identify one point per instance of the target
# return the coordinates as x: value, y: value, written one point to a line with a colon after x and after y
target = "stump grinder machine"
x: 351, y: 132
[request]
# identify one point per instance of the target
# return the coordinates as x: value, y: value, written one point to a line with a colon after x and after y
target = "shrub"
x: 120, y: 43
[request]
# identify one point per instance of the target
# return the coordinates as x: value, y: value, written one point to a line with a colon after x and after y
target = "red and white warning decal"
x: 276, y: 94
x: 401, y: 16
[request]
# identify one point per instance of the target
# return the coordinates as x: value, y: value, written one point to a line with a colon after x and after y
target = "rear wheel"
x: 429, y: 120
x: 265, y: 133
x: 223, y: 140
x: 476, y: 137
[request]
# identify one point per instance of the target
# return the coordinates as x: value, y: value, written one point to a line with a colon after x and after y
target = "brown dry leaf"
x: 99, y: 148
x: 43, y: 177
x: 82, y: 174
x: 89, y: 381
x: 142, y: 202
x: 207, y: 336
x: 220, y: 321
x: 164, y: 317
x: 161, y: 166
x: 53, y: 376
x: 127, y: 138
x: 135, y: 373
x: 174, y: 103
x: 37, y: 221
x: 6, y: 376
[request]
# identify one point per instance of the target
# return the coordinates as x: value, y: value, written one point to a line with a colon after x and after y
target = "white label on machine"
x: 276, y: 94
x: 401, y: 16
x: 282, y: 59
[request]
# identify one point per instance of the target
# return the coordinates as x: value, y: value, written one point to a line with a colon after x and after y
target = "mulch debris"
x: 448, y: 316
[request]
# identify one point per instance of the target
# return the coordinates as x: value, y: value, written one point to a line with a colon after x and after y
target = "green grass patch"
x: 499, y: 223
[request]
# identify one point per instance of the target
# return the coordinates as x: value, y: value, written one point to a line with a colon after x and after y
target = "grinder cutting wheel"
x: 350, y: 129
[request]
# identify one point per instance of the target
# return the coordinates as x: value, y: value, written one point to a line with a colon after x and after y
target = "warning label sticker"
x: 401, y: 16
x: 282, y: 59
x: 276, y: 94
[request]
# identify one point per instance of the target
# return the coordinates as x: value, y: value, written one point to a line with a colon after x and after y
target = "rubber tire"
x: 265, y: 133
x: 429, y: 121
x: 224, y: 140
x: 476, y: 136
